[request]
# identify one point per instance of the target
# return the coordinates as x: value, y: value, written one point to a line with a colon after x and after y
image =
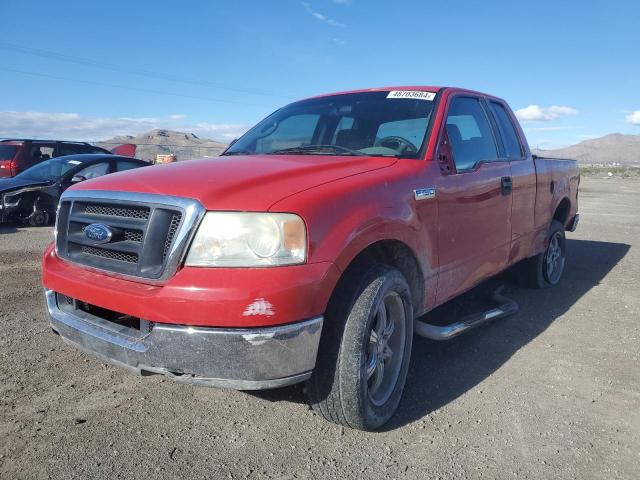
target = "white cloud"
x: 535, y: 113
x: 73, y: 126
x: 321, y: 17
x: 633, y: 118
x: 555, y: 128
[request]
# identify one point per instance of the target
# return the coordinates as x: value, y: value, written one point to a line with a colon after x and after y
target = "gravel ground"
x: 553, y: 392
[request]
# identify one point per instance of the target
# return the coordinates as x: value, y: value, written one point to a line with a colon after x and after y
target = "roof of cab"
x: 425, y: 88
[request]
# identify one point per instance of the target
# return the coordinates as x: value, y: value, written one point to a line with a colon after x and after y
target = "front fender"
x: 346, y: 216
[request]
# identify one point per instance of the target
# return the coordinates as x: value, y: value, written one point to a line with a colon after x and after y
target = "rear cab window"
x: 510, y: 139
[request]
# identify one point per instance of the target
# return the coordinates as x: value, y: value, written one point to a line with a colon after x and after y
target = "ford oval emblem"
x: 98, y: 233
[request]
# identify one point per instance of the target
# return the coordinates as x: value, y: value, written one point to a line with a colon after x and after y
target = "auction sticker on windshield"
x: 412, y: 94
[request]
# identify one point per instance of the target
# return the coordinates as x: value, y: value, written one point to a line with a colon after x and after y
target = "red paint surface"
x: 469, y: 232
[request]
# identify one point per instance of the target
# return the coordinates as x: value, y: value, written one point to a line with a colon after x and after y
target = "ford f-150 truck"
x: 309, y: 250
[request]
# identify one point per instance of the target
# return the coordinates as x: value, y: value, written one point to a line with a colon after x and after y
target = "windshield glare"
x: 49, y: 170
x: 370, y: 123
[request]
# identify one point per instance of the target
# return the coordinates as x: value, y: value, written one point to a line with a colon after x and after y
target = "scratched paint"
x: 259, y: 306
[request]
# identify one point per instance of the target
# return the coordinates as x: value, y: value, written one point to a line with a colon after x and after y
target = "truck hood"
x: 252, y: 182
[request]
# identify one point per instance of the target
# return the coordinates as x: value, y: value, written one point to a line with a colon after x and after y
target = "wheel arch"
x: 394, y: 253
x: 562, y: 210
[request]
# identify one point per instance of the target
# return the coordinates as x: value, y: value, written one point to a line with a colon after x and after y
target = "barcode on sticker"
x: 412, y: 94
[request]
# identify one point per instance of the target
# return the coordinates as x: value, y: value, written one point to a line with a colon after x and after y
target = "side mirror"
x: 444, y: 154
x: 77, y: 179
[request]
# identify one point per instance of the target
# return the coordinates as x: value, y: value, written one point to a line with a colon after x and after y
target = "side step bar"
x: 505, y: 307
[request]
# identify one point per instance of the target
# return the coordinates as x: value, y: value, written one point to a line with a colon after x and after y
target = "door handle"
x: 506, y: 185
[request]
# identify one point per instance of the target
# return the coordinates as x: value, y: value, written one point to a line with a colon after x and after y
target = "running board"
x: 505, y: 307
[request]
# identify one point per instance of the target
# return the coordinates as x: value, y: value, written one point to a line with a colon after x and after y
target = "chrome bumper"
x: 241, y: 359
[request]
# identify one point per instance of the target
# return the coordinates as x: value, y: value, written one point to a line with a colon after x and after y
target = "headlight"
x: 246, y: 239
x: 11, y: 201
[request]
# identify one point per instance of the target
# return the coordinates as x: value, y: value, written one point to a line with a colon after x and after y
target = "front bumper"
x: 242, y: 359
x: 202, y: 297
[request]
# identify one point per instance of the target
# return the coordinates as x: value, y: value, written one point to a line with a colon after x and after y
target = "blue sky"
x: 89, y: 70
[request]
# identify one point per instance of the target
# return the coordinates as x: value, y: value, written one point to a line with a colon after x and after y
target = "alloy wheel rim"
x: 385, y: 349
x: 555, y: 258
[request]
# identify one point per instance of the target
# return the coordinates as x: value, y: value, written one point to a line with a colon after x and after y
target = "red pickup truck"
x: 310, y: 249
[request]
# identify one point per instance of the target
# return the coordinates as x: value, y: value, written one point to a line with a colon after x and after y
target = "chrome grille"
x: 148, y: 233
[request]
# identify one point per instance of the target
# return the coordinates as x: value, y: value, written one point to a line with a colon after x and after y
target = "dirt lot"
x: 553, y: 392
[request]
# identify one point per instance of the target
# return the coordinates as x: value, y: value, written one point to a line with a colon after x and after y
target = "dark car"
x: 18, y: 155
x: 32, y: 196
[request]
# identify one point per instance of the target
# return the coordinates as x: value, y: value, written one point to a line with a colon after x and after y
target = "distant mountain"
x: 186, y: 146
x: 611, y: 149
x: 615, y: 148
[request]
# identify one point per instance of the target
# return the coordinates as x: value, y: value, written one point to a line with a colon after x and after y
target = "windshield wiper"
x: 239, y: 152
x: 311, y: 149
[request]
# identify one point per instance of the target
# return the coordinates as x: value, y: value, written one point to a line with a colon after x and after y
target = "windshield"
x: 49, y: 170
x: 7, y: 152
x: 371, y: 123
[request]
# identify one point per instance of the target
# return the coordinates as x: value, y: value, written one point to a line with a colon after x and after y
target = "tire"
x: 365, y: 349
x: 38, y: 218
x: 546, y: 269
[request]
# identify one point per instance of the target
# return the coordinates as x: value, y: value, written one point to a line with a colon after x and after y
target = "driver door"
x: 474, y: 205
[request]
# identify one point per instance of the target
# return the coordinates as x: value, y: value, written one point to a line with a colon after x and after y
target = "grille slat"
x: 117, y: 211
x: 173, y: 229
x: 133, y: 235
x: 127, y: 257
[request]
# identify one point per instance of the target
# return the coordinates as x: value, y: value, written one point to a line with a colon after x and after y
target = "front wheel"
x: 38, y: 218
x: 365, y: 350
x: 546, y: 269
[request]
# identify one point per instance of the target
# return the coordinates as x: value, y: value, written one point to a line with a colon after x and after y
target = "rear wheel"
x: 546, y: 269
x: 365, y: 350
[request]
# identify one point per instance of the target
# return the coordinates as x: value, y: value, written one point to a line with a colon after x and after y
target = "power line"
x: 138, y: 89
x: 136, y: 71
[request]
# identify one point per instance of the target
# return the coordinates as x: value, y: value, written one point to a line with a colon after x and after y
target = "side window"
x: 121, y: 166
x: 40, y: 152
x: 76, y: 148
x: 510, y: 137
x: 291, y: 132
x: 92, y: 149
x: 94, y: 171
x: 70, y: 149
x: 469, y: 133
